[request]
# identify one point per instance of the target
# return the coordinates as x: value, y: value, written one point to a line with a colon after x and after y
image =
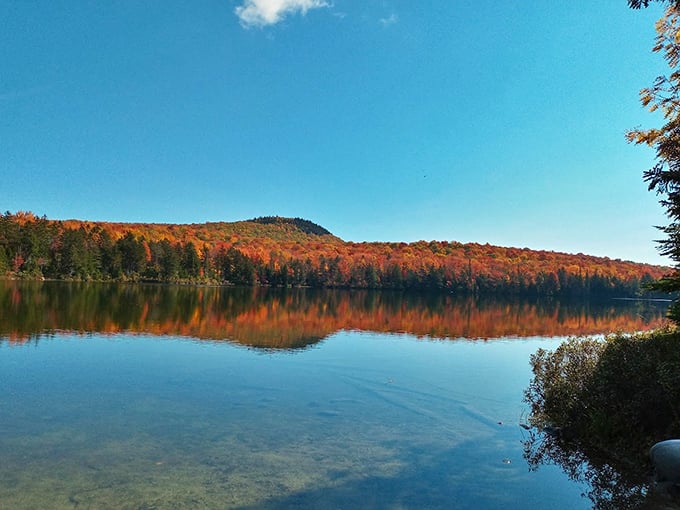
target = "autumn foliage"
x: 276, y: 251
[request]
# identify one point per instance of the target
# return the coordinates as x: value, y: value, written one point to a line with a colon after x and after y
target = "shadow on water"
x: 468, y: 476
x: 437, y: 482
x: 296, y: 318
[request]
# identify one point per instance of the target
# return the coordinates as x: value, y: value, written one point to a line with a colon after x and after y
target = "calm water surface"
x: 148, y: 406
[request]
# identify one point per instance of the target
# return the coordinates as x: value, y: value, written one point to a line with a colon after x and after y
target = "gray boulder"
x: 665, y: 457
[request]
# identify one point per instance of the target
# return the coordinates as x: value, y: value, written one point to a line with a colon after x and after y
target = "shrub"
x: 618, y: 395
x: 561, y: 377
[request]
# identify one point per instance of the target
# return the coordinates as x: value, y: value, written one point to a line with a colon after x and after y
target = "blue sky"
x: 385, y: 120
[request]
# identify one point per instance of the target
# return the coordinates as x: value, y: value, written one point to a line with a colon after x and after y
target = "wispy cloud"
x: 259, y: 13
x: 389, y: 20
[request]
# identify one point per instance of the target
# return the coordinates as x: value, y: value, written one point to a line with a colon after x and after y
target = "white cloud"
x: 390, y: 20
x: 268, y: 12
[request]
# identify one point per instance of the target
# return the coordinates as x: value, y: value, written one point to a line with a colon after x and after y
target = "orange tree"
x: 664, y: 176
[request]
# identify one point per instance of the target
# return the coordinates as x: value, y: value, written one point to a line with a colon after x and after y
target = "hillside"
x: 283, y: 251
x: 274, y: 228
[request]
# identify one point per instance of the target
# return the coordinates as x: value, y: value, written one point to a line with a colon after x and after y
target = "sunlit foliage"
x: 293, y: 252
x: 664, y: 177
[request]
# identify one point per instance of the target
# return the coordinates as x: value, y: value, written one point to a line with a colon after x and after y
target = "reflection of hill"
x: 279, y: 318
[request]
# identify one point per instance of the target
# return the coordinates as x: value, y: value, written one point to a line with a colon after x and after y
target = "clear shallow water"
x: 162, y: 397
x: 360, y: 420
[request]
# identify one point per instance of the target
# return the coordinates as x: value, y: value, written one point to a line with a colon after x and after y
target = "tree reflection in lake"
x: 361, y: 421
x: 612, y: 485
x: 603, y: 404
x: 294, y: 318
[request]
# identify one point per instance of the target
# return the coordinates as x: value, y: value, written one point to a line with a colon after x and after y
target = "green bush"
x: 603, y: 404
x: 561, y: 377
x: 618, y: 395
x: 634, y: 391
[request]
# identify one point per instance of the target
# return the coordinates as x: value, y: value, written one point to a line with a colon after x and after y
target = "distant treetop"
x: 308, y: 227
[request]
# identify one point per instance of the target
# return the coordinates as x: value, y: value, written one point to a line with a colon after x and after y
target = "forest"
x: 285, y: 252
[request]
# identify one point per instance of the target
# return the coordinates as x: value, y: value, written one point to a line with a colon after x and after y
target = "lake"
x: 164, y: 397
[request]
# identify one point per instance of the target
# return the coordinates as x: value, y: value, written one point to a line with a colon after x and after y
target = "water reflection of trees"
x: 602, y: 404
x: 612, y: 485
x: 290, y: 318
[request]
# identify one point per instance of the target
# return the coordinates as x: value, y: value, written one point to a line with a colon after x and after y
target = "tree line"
x: 34, y: 247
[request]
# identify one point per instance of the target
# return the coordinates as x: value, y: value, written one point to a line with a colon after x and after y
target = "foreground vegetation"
x: 601, y: 405
x: 277, y: 251
x: 619, y: 395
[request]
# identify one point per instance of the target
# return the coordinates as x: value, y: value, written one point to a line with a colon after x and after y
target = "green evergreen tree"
x: 170, y: 260
x: 664, y: 176
x: 110, y: 260
x: 191, y: 262
x: 4, y: 261
x: 133, y: 255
